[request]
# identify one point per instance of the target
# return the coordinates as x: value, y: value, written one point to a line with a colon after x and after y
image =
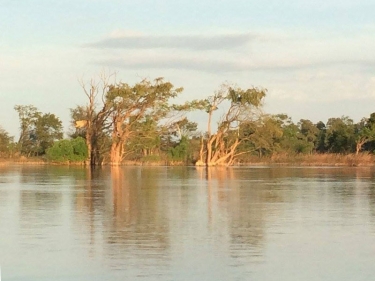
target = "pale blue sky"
x: 316, y: 58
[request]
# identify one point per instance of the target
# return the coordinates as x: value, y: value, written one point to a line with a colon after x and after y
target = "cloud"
x: 231, y: 64
x: 192, y: 42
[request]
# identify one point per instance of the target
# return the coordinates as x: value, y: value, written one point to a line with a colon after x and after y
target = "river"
x: 187, y: 223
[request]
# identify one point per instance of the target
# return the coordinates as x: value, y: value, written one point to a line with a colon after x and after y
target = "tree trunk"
x: 200, y: 160
x: 358, y: 148
x: 116, y: 153
x: 89, y: 149
x: 209, y: 152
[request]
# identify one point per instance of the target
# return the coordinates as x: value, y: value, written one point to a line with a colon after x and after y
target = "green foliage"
x: 80, y: 152
x: 74, y: 150
x: 47, y: 129
x: 298, y: 139
x: 262, y: 135
x: 139, y: 100
x: 364, y: 132
x: 61, y: 151
x: 180, y: 151
x: 145, y: 138
x: 309, y: 131
x: 340, y: 135
x: 251, y: 96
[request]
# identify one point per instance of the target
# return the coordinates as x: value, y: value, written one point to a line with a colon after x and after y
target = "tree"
x: 220, y: 148
x: 340, y: 137
x: 320, y: 145
x: 47, y: 129
x: 180, y: 140
x: 263, y: 135
x: 118, y: 119
x: 310, y: 132
x: 145, y: 139
x: 38, y: 130
x: 129, y: 105
x: 364, y: 132
x: 27, y: 117
x: 292, y: 141
x: 278, y: 133
x: 92, y: 120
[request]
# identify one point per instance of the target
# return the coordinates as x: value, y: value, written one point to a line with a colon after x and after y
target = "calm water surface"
x: 178, y: 223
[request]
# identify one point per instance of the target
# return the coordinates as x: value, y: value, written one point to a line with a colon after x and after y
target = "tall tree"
x: 129, y: 105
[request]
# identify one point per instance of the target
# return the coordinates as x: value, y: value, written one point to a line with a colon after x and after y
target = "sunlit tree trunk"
x: 116, y: 153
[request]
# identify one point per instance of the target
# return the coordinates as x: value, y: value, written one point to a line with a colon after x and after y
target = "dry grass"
x: 23, y: 160
x: 327, y: 159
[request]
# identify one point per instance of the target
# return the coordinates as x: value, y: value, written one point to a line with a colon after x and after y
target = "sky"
x: 315, y: 58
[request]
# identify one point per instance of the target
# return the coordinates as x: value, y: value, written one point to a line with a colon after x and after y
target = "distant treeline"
x: 140, y: 123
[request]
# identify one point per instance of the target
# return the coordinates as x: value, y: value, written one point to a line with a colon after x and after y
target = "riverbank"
x: 348, y: 160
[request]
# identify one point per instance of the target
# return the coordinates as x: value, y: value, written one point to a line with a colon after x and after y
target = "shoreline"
x: 318, y: 160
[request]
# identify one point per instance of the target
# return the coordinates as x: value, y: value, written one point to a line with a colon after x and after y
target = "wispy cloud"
x: 192, y: 42
x: 233, y: 52
x: 206, y: 65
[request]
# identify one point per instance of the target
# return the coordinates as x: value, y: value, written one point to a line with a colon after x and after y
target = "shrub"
x: 74, y: 150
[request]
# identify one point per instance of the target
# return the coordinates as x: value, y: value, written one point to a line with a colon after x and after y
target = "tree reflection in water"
x: 245, y: 204
x: 138, y: 220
